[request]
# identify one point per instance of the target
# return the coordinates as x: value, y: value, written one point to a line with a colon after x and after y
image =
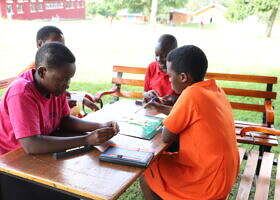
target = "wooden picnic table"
x: 83, y: 175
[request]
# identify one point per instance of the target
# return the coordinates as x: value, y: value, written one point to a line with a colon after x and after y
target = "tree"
x: 144, y: 6
x: 240, y: 9
x: 194, y: 5
x: 107, y: 8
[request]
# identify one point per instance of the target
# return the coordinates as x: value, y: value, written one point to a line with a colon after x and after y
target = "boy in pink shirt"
x: 35, y: 106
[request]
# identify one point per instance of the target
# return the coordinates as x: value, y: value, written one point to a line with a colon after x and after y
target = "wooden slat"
x: 259, y: 135
x: 242, y: 78
x: 277, y: 182
x: 133, y: 82
x: 256, y: 134
x: 248, y: 176
x: 129, y: 94
x: 131, y: 70
x: 247, y: 106
x: 6, y: 82
x: 245, y: 124
x: 250, y: 93
x: 263, y: 182
x: 241, y: 154
x: 260, y: 141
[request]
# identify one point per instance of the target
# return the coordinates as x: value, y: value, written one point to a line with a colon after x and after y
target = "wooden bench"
x: 266, y: 184
x: 134, y: 76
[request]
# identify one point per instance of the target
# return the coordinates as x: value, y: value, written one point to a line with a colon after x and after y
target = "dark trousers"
x: 16, y: 189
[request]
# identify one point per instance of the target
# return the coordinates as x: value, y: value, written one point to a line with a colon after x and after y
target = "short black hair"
x: 168, y: 41
x: 45, y: 32
x: 54, y: 55
x: 189, y: 59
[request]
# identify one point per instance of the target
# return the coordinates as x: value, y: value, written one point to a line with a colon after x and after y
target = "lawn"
x: 98, y: 45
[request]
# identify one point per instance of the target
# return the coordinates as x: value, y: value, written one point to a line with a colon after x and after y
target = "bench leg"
x: 262, y: 149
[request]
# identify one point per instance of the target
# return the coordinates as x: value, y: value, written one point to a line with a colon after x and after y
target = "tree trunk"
x: 271, y: 21
x: 153, y: 11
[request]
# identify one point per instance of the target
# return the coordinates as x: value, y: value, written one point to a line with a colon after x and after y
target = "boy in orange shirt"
x: 207, y: 163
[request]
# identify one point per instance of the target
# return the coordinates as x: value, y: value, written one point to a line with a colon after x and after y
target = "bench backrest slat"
x: 123, y: 81
x: 248, y: 176
x: 247, y: 106
x: 265, y: 95
x: 263, y: 182
x: 129, y: 94
x: 250, y: 93
x: 277, y: 182
x: 242, y: 78
x: 130, y: 70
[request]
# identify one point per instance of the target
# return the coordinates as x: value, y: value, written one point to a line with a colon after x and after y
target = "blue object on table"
x: 123, y: 156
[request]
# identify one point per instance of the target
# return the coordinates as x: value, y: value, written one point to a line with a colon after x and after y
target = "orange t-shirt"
x: 207, y: 163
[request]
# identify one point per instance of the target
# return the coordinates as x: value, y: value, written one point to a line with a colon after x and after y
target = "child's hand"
x: 114, y: 125
x: 90, y: 104
x: 72, y: 103
x: 149, y: 95
x: 100, y: 136
x: 153, y: 106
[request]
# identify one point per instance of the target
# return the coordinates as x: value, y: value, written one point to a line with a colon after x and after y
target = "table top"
x: 84, y: 175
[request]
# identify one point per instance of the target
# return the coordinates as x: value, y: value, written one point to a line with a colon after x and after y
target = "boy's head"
x: 55, y: 65
x: 49, y: 34
x: 185, y: 66
x: 165, y: 44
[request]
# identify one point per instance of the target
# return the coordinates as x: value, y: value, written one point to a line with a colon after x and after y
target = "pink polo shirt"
x: 25, y: 112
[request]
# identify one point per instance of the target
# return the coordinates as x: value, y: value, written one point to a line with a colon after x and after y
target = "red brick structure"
x: 180, y: 16
x: 42, y: 9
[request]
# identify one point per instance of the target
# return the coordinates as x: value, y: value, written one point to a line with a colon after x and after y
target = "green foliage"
x: 266, y: 5
x: 91, y: 8
x: 241, y: 9
x: 144, y: 6
x: 194, y: 5
x: 107, y: 8
x: 166, y: 5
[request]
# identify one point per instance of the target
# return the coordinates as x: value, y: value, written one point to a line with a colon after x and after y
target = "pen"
x: 72, y: 152
x: 154, y: 99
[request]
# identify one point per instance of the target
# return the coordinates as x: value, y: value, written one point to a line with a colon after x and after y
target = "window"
x: 32, y: 8
x: 9, y: 9
x: 50, y: 6
x: 19, y: 8
x: 40, y: 7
